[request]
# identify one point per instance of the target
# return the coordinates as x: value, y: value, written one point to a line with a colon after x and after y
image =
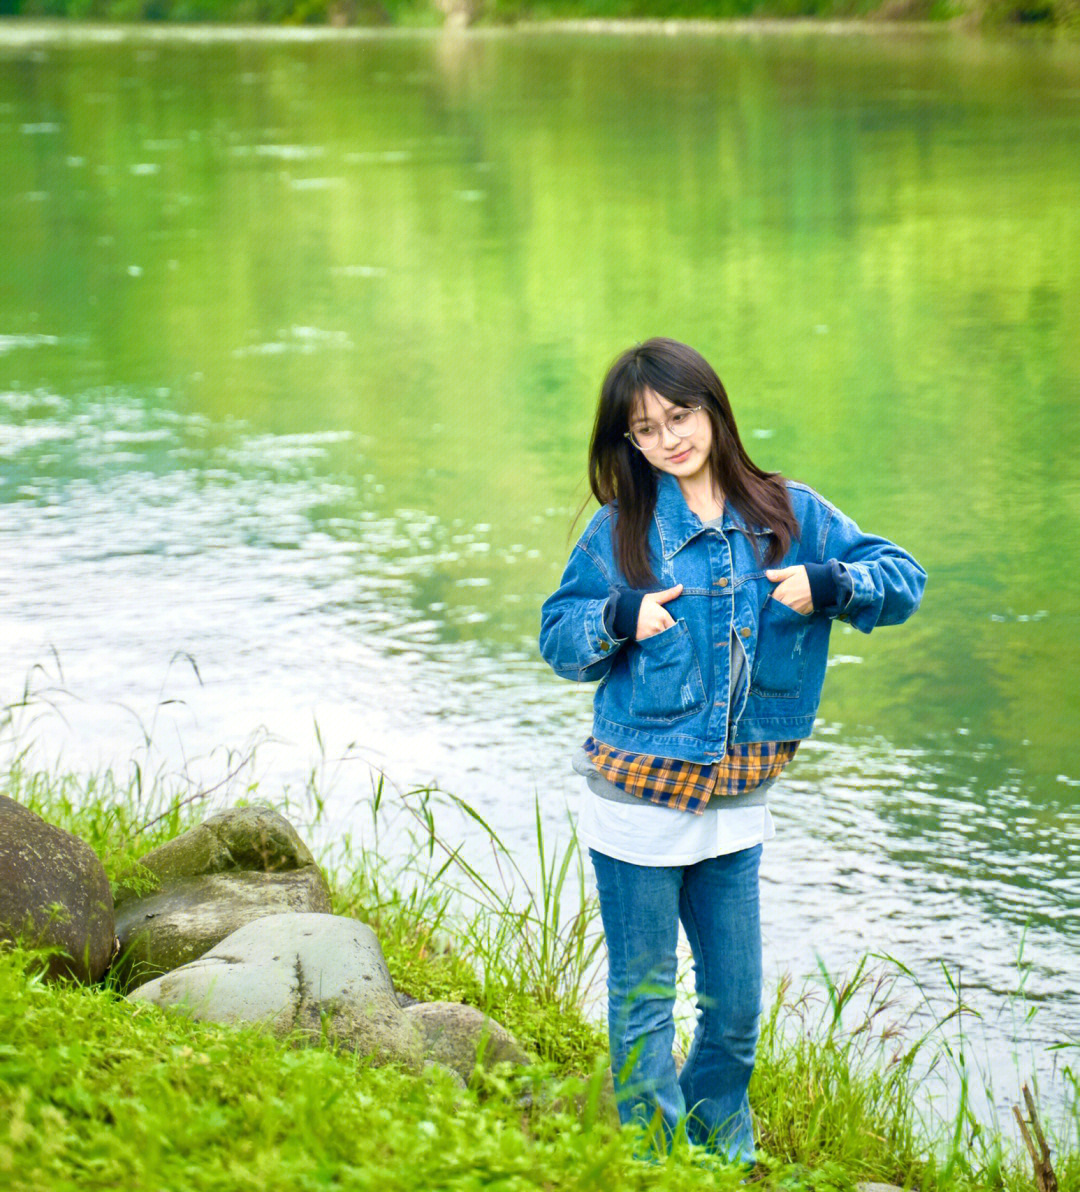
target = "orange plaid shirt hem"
x: 690, y: 786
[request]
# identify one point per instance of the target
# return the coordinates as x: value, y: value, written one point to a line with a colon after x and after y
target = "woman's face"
x: 685, y: 458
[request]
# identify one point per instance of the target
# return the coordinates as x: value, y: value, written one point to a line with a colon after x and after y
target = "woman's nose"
x: 665, y: 432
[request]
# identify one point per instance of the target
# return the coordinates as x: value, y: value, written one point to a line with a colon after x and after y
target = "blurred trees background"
x: 1058, y: 14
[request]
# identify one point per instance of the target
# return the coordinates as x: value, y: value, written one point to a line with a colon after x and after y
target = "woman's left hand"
x: 792, y: 588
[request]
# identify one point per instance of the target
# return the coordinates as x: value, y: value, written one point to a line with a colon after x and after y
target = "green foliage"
x: 120, y: 818
x: 97, y: 1092
x: 1031, y: 15
x: 137, y: 882
x: 511, y: 10
x: 844, y: 1094
x: 451, y: 934
x: 280, y: 12
x: 838, y: 1076
x: 1060, y: 13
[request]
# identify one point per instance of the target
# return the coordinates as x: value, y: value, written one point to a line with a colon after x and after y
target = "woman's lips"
x: 677, y: 459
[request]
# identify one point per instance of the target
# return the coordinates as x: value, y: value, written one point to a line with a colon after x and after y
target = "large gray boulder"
x: 54, y: 892
x: 462, y: 1037
x: 322, y: 976
x: 235, y: 867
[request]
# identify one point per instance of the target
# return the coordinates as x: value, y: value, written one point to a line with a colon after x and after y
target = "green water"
x: 299, y: 345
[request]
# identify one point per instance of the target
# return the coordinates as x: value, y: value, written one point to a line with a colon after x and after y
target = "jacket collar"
x: 677, y: 522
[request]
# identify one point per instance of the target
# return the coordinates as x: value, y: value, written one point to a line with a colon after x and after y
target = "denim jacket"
x: 668, y: 694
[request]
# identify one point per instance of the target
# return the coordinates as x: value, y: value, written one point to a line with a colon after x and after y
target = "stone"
x: 54, y: 893
x: 163, y: 931
x: 313, y: 976
x: 462, y: 1037
x: 255, y: 838
x: 237, y: 866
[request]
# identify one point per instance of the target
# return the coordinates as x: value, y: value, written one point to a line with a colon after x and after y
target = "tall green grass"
x: 94, y: 1092
x: 507, y: 939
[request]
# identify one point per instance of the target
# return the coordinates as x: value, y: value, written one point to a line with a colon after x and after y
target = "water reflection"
x: 245, y: 551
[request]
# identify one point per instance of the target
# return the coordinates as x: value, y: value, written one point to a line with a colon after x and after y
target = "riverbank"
x: 699, y: 17
x: 95, y: 1092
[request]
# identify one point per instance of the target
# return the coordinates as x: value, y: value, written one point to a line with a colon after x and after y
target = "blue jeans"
x: 717, y: 901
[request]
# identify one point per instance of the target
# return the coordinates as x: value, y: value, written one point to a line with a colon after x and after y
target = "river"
x: 300, y: 339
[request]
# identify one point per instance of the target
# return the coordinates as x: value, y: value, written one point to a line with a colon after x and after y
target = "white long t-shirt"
x: 650, y: 834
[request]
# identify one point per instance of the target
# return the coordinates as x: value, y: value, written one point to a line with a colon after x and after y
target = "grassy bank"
x: 95, y: 1092
x: 1049, y: 14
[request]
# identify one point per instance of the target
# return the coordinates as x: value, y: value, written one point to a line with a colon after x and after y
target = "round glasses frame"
x: 680, y: 432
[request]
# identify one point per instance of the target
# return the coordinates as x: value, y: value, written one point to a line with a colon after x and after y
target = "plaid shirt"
x: 689, y: 786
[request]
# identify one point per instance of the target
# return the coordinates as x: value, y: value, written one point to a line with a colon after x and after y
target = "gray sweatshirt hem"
x: 600, y: 786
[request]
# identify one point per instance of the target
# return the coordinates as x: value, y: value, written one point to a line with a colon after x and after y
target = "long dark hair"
x: 619, y: 472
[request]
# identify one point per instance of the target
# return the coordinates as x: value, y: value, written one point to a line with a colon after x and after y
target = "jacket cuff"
x: 624, y: 606
x: 830, y: 586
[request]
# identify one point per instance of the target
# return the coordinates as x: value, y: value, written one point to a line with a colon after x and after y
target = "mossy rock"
x: 255, y: 838
x: 54, y: 893
x: 235, y: 867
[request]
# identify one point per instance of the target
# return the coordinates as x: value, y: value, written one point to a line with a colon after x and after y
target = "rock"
x: 166, y: 930
x: 233, y: 868
x: 869, y: 1187
x: 243, y: 838
x: 318, y: 975
x: 461, y: 1037
x: 54, y: 892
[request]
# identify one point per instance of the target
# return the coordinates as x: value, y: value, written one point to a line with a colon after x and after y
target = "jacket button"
x: 721, y: 583
x: 604, y: 647
x: 744, y: 632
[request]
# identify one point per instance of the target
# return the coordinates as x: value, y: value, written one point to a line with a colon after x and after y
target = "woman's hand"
x: 792, y: 588
x: 653, y: 618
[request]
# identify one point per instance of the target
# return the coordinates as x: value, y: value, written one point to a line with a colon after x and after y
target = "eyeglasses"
x: 682, y: 424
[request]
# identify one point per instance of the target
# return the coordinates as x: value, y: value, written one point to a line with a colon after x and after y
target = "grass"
x: 97, y: 1092
x: 514, y: 953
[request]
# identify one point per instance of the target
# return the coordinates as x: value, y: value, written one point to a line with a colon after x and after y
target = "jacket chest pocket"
x: 780, y: 659
x: 665, y: 676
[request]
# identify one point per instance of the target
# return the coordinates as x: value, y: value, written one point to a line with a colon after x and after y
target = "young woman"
x: 701, y: 596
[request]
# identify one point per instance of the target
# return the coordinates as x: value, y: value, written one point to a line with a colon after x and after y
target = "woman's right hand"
x: 653, y: 618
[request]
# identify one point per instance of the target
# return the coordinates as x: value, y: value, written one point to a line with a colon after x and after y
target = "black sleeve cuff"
x: 623, y: 611
x: 830, y: 586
